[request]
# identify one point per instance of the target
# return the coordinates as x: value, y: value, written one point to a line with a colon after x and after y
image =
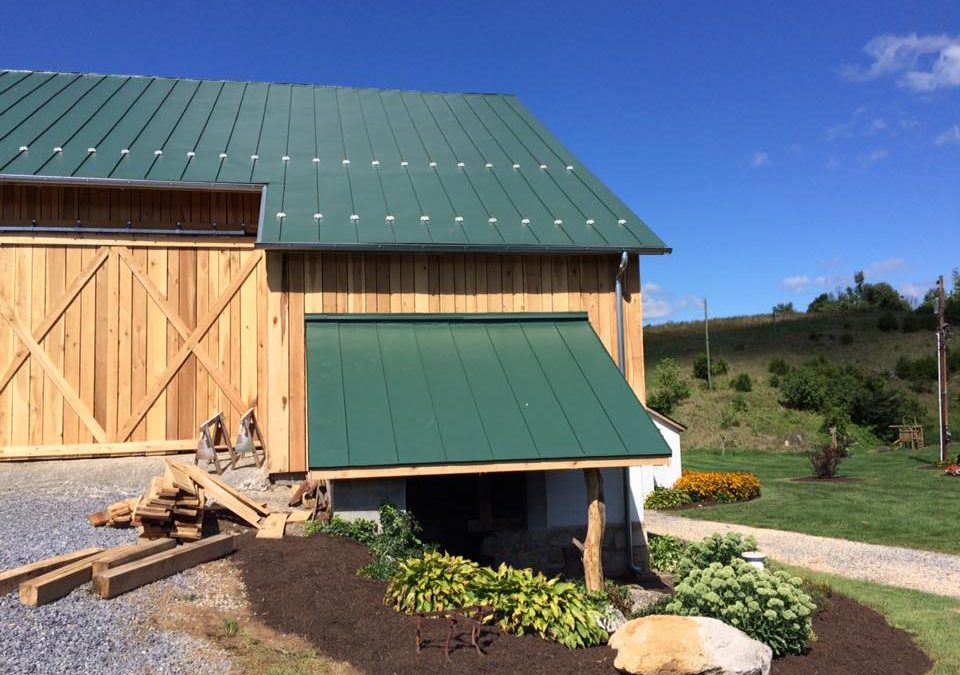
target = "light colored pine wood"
x: 88, y: 450
x: 37, y: 311
x: 12, y: 578
x: 277, y: 394
x: 113, y: 345
x: 156, y: 417
x: 88, y: 339
x: 59, y: 582
x: 297, y: 382
x: 273, y: 526
x: 122, y: 556
x: 132, y: 575
x: 125, y: 333
x: 52, y: 407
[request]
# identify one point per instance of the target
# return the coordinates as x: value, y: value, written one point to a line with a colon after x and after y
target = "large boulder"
x: 687, y: 645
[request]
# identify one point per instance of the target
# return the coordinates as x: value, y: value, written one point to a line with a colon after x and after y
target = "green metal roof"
x: 413, y: 390
x: 358, y: 169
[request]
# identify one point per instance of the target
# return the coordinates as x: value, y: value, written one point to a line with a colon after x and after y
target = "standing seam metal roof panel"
x: 415, y: 390
x: 366, y: 169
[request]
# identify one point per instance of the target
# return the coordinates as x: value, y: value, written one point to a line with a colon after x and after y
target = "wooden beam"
x: 122, y: 556
x: 596, y: 523
x: 172, y: 241
x: 10, y: 579
x: 273, y: 526
x: 449, y: 469
x: 228, y: 500
x: 59, y: 582
x: 133, y: 575
x: 85, y: 450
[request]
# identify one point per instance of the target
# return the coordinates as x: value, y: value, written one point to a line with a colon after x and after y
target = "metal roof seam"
x: 473, y: 394
x: 159, y: 152
x: 433, y: 405
x: 386, y: 389
x: 34, y: 111
x: 203, y: 129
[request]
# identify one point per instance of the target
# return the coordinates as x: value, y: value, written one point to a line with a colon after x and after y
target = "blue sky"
x: 777, y: 149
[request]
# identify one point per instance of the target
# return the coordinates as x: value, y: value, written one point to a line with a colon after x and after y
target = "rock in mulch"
x: 642, y: 599
x: 687, y: 645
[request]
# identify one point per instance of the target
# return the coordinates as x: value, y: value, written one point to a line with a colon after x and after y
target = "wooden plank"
x: 229, y: 501
x: 171, y: 384
x: 12, y: 578
x: 156, y: 416
x: 135, y: 574
x: 263, y: 293
x: 122, y: 556
x: 113, y: 345
x: 37, y: 309
x: 237, y: 405
x: 299, y: 516
x: 52, y: 405
x: 139, y: 343
x: 94, y: 240
x: 453, y: 469
x: 202, y: 409
x: 85, y: 450
x: 278, y: 420
x: 192, y: 471
x: 61, y: 581
x: 187, y: 376
x: 125, y: 348
x: 421, y: 287
x: 88, y: 344
x: 272, y: 527
x: 247, y: 345
x: 297, y: 385
x: 7, y: 341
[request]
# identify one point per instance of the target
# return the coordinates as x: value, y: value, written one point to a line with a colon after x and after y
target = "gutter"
x: 621, y: 363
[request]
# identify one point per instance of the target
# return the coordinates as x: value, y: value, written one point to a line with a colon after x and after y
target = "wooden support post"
x: 596, y: 522
x: 10, y: 579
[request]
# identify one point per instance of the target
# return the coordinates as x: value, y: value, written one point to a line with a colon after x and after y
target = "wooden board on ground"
x: 299, y: 517
x: 10, y: 579
x: 272, y: 527
x: 194, y: 471
x: 140, y: 550
x: 127, y: 577
x: 227, y: 498
x: 57, y: 583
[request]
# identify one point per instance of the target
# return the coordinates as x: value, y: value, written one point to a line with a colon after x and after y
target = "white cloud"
x: 914, y: 291
x: 884, y: 267
x: 760, y: 159
x: 921, y: 63
x: 797, y: 283
x: 875, y: 155
x: 949, y: 137
x: 660, y: 304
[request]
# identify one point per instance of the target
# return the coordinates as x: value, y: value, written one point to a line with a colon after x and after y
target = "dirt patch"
x: 835, y: 479
x: 310, y: 587
x: 852, y: 638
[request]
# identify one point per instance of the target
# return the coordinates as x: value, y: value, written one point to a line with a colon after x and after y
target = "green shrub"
x: 717, y: 548
x: 717, y: 366
x: 396, y: 538
x: 742, y: 382
x: 739, y: 403
x: 774, y: 381
x: 769, y: 607
x: 778, y: 367
x: 846, y: 339
x: 663, y: 498
x: 888, y: 322
x: 668, y: 387
x: 523, y: 602
x: 803, y: 389
x: 665, y: 552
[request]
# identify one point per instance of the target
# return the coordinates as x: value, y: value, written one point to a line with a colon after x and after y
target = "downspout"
x: 621, y: 362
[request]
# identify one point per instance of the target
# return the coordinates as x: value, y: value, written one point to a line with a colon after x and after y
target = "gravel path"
x: 937, y: 573
x: 44, y: 507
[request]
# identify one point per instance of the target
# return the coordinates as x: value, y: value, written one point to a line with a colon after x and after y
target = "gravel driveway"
x: 44, y: 507
x: 937, y: 573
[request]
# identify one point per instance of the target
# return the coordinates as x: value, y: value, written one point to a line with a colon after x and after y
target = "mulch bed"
x: 835, y: 479
x: 852, y: 638
x: 309, y: 587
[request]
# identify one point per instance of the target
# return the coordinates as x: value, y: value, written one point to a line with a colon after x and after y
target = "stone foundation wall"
x: 551, y: 551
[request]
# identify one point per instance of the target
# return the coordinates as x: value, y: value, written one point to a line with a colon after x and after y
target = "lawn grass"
x: 934, y: 621
x: 899, y: 500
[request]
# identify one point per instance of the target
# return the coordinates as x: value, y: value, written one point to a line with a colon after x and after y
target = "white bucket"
x: 755, y: 558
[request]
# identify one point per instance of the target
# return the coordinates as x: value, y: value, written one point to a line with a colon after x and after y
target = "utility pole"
x: 706, y: 333
x: 942, y: 369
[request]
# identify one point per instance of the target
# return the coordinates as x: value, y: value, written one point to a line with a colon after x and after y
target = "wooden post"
x: 596, y: 521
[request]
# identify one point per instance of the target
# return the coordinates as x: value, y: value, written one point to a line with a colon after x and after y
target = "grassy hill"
x: 748, y: 344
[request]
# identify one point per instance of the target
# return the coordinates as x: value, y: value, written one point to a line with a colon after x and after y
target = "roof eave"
x: 389, y: 247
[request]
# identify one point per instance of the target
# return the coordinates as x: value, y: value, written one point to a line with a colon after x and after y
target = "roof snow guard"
x: 344, y: 168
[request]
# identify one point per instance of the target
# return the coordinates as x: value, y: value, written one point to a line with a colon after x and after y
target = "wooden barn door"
x: 122, y: 347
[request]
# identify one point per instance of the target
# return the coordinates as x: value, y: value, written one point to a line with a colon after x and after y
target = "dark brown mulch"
x: 852, y: 638
x: 310, y: 587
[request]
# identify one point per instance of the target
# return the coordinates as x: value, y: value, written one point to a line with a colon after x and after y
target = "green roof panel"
x: 345, y: 168
x: 422, y: 390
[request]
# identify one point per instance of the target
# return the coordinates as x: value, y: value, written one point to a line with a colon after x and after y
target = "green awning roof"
x: 345, y: 168
x: 450, y: 390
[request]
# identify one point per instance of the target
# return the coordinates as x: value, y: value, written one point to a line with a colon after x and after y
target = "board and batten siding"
x: 112, y: 346
x: 302, y: 283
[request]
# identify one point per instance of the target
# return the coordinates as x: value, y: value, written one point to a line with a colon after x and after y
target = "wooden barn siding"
x: 50, y: 205
x: 112, y: 316
x: 302, y: 283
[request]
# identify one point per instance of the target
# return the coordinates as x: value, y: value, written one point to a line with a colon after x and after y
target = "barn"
x: 425, y: 296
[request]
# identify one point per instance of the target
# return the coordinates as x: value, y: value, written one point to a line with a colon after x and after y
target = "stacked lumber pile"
x: 173, y: 507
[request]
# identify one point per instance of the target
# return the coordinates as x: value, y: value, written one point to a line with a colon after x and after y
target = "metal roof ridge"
x: 265, y: 82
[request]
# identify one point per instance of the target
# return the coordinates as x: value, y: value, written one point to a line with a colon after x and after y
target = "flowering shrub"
x: 666, y: 498
x: 768, y: 606
x: 952, y: 470
x: 717, y: 548
x: 724, y: 486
